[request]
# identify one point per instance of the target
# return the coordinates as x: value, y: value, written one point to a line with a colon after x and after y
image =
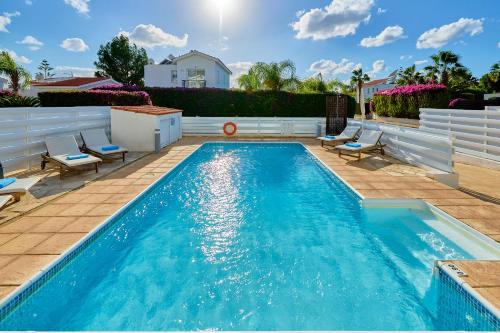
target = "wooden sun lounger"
x: 369, y: 141
x: 348, y: 134
x: 4, y: 199
x: 93, y: 142
x: 19, y: 187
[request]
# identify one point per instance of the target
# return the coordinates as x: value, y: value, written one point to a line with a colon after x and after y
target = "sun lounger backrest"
x: 61, y: 145
x: 95, y: 137
x: 370, y: 137
x: 350, y: 131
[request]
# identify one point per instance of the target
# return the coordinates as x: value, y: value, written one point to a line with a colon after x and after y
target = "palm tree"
x: 250, y: 81
x: 357, y: 79
x: 409, y: 76
x: 277, y: 76
x: 19, y: 77
x: 444, y: 62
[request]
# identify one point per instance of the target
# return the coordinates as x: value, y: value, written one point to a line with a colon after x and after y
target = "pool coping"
x: 72, y: 251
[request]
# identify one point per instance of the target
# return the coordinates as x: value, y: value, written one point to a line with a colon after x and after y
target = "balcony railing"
x: 194, y: 83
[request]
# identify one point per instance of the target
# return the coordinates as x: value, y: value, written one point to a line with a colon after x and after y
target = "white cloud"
x: 421, y: 62
x: 381, y: 11
x: 74, y: 45
x: 406, y: 57
x: 18, y: 58
x: 437, y: 37
x: 33, y: 43
x: 330, y: 69
x: 238, y: 68
x: 339, y: 18
x: 151, y: 36
x: 378, y: 66
x: 81, y: 6
x: 498, y: 44
x: 388, y: 35
x: 28, y: 2
x: 75, y: 71
x: 5, y: 20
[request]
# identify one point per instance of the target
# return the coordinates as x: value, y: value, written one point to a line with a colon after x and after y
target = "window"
x: 173, y: 75
x: 196, y: 74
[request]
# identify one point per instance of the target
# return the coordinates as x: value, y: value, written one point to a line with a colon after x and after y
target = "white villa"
x: 370, y: 88
x: 191, y: 70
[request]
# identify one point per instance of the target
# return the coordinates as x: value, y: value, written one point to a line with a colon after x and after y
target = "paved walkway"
x: 30, y: 242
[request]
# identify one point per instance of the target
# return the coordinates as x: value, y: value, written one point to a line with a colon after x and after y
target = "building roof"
x: 72, y: 82
x: 147, y: 109
x: 390, y: 78
x: 195, y: 52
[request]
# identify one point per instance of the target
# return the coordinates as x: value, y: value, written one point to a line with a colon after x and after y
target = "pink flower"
x: 413, y: 89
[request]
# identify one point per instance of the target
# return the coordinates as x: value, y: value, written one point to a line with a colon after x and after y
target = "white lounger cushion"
x: 62, y: 145
x: 98, y: 149
x: 95, y: 139
x: 347, y: 134
x: 367, y: 140
x: 4, y: 199
x: 21, y: 185
x: 73, y: 163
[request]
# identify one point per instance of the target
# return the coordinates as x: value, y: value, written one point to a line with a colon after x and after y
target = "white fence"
x: 23, y: 130
x: 254, y: 126
x: 414, y: 146
x: 475, y: 132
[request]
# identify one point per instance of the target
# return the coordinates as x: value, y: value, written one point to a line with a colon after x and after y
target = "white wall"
x: 368, y: 92
x: 23, y: 130
x: 159, y: 76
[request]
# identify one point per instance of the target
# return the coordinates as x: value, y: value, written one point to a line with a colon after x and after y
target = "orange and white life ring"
x: 229, y: 128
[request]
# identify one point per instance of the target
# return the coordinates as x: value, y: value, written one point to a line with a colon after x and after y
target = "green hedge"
x: 405, y: 101
x: 93, y: 98
x: 230, y: 103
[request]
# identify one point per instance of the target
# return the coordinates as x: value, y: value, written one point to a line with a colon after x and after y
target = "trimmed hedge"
x: 93, y: 98
x: 461, y: 103
x: 212, y: 102
x: 405, y: 101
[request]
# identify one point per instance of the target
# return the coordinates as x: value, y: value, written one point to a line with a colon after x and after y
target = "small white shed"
x: 134, y: 126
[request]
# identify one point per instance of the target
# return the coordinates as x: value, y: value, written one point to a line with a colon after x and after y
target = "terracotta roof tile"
x: 147, y: 109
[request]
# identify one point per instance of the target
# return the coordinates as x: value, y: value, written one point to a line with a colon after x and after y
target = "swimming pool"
x: 248, y: 236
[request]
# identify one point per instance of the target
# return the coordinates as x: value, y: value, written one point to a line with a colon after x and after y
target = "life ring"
x: 230, y: 128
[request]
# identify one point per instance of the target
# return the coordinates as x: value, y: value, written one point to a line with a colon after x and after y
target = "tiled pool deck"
x: 30, y: 242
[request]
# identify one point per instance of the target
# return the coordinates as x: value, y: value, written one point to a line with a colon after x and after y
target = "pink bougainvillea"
x: 413, y: 89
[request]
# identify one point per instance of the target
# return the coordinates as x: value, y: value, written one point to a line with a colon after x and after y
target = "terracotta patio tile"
x: 5, y: 259
x: 96, y: 198
x: 37, y: 224
x: 120, y: 198
x: 57, y: 243
x: 485, y: 226
x: 23, y: 243
x: 4, y: 238
x: 124, y: 181
x: 77, y: 209
x: 6, y: 290
x: 23, y: 268
x: 492, y: 294
x: 105, y: 209
x: 50, y: 210
x: 84, y: 224
x: 72, y: 198
x: 472, y: 212
x: 481, y: 273
x: 458, y: 202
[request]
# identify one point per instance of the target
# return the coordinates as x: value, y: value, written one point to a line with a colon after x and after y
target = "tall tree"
x: 250, y: 81
x: 313, y: 85
x: 19, y: 77
x: 491, y: 81
x: 122, y: 60
x: 409, y: 76
x: 277, y: 76
x: 357, y: 79
x: 444, y: 63
x: 45, y: 69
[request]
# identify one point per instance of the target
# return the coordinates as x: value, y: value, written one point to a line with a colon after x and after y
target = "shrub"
x: 93, y: 98
x: 11, y: 100
x: 405, y: 101
x: 212, y: 102
x: 121, y: 87
x: 462, y: 103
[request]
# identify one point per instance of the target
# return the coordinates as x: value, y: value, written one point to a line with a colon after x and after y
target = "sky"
x: 330, y: 37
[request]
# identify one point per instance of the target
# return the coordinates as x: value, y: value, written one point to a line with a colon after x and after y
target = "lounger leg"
x: 382, y: 151
x: 340, y: 152
x: 359, y: 156
x: 61, y: 171
x: 96, y: 168
x: 17, y: 196
x: 123, y: 157
x: 322, y: 143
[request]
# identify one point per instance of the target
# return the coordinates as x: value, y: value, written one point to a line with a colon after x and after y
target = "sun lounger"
x: 96, y: 142
x: 64, y: 151
x: 19, y: 187
x: 4, y: 199
x: 369, y: 140
x: 348, y: 134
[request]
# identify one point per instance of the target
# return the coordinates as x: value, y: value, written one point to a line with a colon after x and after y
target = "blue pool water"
x: 246, y: 236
